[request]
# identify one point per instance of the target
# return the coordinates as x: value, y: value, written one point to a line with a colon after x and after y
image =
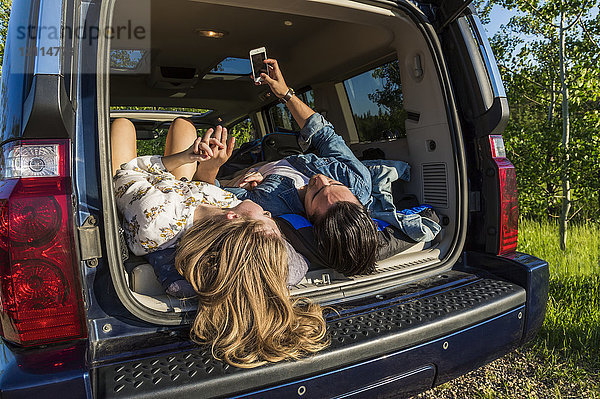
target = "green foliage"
x: 572, y: 325
x: 527, y: 51
x: 5, y: 6
x: 390, y: 122
x: 567, y: 346
x: 384, y: 125
x: 390, y: 96
x: 152, y: 146
x: 281, y: 116
x: 242, y: 131
x: 126, y: 59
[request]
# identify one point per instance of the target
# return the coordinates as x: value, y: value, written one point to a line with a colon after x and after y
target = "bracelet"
x: 287, y: 97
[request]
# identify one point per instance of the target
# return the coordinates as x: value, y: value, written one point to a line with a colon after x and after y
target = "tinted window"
x: 16, y: 71
x: 125, y: 60
x: 233, y: 66
x: 243, y: 132
x: 152, y: 146
x: 281, y: 118
x: 377, y: 104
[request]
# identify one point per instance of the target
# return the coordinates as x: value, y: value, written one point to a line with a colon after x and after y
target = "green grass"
x: 569, y: 341
x: 568, y: 344
x: 572, y: 324
x: 563, y: 361
x: 582, y: 256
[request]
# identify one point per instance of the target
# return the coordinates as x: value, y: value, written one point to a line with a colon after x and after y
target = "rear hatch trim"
x: 423, y: 312
x: 111, y: 221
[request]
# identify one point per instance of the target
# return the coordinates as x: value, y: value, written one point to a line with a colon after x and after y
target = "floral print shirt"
x: 156, y: 207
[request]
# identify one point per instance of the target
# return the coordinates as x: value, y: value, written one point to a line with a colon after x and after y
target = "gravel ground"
x: 521, y: 374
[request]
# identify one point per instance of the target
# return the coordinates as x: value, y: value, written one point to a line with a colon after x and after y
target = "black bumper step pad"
x: 419, y: 312
x: 396, y: 324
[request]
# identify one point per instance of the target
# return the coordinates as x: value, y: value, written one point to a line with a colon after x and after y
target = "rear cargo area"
x: 379, y: 84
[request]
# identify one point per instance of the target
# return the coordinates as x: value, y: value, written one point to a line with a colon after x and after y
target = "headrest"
x: 279, y: 144
x: 299, y: 232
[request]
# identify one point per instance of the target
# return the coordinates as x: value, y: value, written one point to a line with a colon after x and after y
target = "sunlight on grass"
x: 572, y: 325
x: 562, y: 361
x: 569, y: 341
x: 582, y: 257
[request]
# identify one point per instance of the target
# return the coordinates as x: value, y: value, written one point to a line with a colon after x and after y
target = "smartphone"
x: 257, y: 56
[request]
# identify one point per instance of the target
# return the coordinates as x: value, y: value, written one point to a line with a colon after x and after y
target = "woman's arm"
x: 207, y: 170
x: 211, y: 152
x: 198, y: 151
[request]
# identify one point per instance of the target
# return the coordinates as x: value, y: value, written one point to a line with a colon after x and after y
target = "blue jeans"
x: 413, y: 224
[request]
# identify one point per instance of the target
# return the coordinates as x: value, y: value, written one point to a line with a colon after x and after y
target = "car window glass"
x: 233, y: 66
x: 282, y: 119
x: 243, y: 131
x: 377, y: 104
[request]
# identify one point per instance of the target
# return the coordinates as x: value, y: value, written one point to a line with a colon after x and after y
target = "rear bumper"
x: 401, y: 342
x: 58, y: 371
x: 406, y: 342
x: 526, y: 271
x: 413, y: 370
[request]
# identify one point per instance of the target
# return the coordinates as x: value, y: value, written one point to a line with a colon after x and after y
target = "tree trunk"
x: 550, y: 152
x: 552, y: 99
x: 566, y: 186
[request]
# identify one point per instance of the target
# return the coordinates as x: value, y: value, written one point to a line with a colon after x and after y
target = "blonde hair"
x: 245, y: 312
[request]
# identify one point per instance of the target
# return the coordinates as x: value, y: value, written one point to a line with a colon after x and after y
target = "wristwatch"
x: 290, y: 93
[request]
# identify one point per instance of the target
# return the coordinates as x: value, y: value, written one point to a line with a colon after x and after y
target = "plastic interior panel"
x: 165, y: 303
x: 144, y: 281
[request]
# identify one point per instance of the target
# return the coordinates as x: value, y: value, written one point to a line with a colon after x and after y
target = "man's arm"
x: 316, y: 132
x: 300, y: 111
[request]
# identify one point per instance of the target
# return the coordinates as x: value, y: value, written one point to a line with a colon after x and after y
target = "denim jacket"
x: 383, y: 174
x: 278, y: 195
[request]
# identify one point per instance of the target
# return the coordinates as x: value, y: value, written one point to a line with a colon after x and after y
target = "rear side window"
x: 243, y: 131
x: 377, y: 104
x: 281, y: 118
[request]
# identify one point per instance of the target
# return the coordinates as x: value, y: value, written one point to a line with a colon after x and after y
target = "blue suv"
x: 407, y: 80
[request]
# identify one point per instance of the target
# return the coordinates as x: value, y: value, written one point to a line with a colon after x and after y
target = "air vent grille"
x: 435, y: 184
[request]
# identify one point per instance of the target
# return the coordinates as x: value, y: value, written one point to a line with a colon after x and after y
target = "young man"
x: 331, y: 187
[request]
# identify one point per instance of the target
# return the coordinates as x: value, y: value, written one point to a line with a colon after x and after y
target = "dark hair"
x: 347, y: 238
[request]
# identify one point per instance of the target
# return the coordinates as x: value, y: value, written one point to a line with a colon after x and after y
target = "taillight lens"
x: 509, y: 205
x: 40, y: 289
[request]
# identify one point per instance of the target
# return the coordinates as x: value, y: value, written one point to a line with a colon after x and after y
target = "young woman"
x: 245, y: 312
x: 159, y: 201
x: 230, y: 251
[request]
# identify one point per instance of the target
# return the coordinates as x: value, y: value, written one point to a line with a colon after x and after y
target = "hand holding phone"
x: 257, y: 58
x: 274, y: 78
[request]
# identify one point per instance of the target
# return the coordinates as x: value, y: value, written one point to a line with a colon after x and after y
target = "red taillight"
x: 33, y: 221
x: 40, y: 289
x: 509, y: 209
